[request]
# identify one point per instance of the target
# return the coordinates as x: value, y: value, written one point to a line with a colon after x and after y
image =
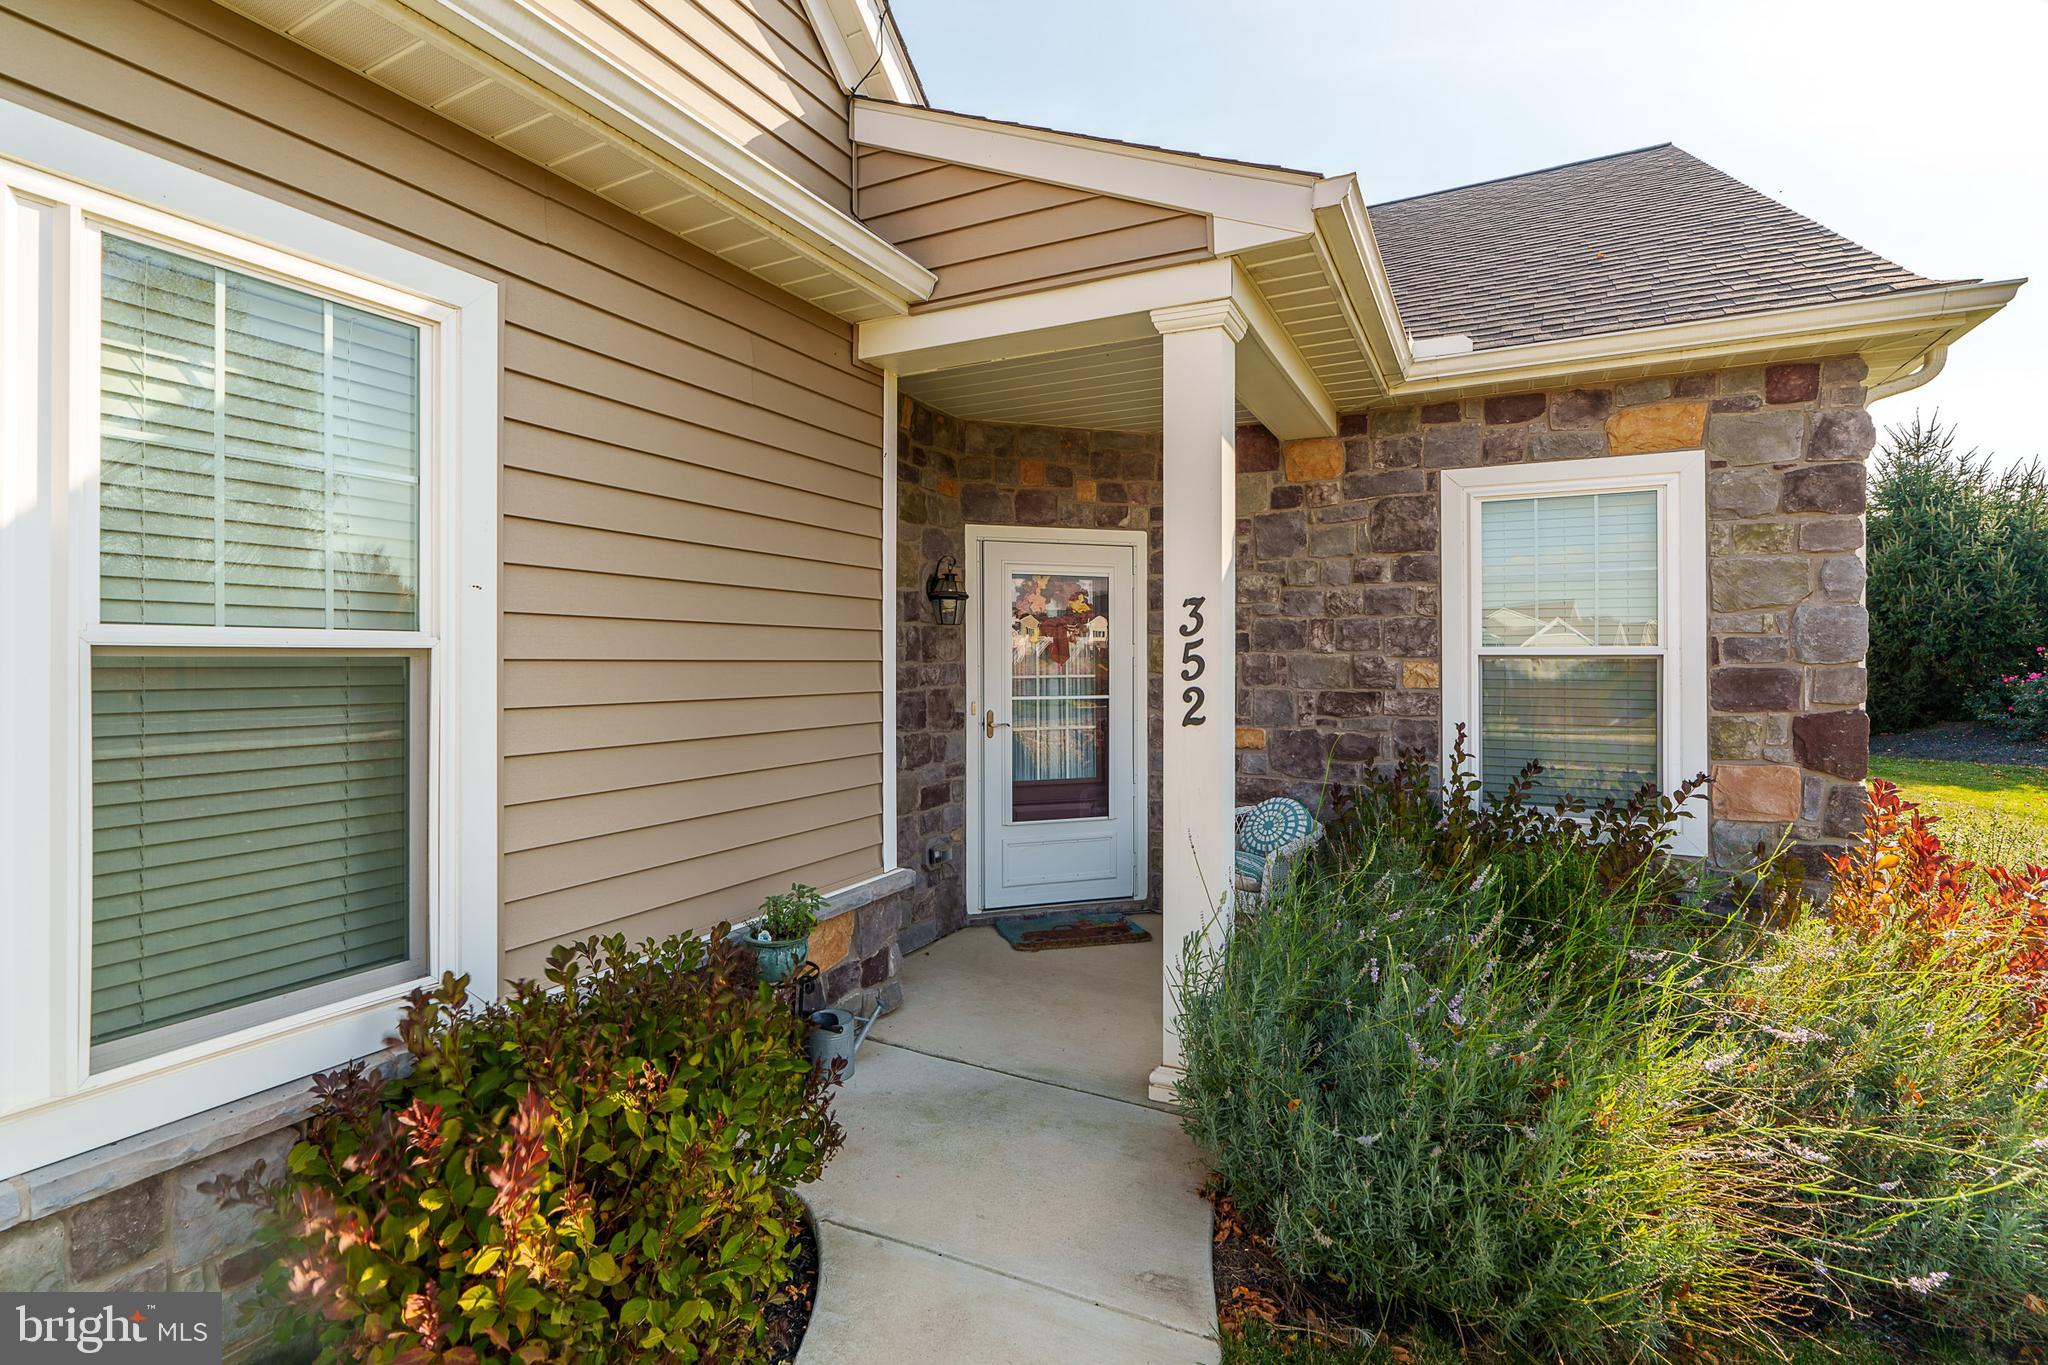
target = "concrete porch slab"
x: 884, y: 1303
x: 1006, y: 1193
x: 1093, y: 1197
x: 1084, y: 1018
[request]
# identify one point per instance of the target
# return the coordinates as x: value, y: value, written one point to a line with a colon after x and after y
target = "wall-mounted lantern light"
x: 944, y: 592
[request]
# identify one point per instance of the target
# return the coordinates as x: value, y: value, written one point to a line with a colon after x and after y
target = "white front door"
x: 1060, y: 624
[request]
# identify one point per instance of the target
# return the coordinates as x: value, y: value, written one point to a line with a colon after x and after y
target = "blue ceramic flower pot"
x: 779, y: 957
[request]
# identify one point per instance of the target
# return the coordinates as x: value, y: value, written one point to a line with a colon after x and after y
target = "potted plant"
x: 781, y: 937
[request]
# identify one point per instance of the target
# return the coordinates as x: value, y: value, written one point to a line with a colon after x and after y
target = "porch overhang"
x: 1309, y: 353
x: 1089, y: 354
x: 1325, y: 333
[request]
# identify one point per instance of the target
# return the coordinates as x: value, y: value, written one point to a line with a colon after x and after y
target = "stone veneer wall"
x: 1340, y: 607
x: 950, y: 473
x: 131, y: 1225
x: 1339, y: 597
x: 856, y: 945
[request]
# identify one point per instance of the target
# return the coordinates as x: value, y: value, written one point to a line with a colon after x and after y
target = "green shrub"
x: 596, y: 1171
x: 1958, y: 575
x: 1558, y: 1102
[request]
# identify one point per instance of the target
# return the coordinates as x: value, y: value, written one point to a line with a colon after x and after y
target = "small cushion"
x: 1251, y: 867
x: 1273, y: 823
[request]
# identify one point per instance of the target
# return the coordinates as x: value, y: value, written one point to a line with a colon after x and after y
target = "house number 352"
x: 1192, y: 664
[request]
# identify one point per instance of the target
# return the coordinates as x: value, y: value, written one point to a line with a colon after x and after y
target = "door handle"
x: 989, y: 730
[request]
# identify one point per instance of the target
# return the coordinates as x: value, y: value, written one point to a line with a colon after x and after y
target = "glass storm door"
x: 1060, y: 626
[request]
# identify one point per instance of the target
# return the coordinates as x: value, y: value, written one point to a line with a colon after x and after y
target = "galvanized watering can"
x: 834, y: 1038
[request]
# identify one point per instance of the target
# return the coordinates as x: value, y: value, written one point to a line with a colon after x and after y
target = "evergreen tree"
x: 1958, y: 574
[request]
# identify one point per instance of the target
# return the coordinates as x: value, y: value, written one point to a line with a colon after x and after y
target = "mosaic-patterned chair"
x: 1270, y: 837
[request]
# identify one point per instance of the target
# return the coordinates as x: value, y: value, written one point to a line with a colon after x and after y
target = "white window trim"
x: 56, y: 182
x: 1680, y: 478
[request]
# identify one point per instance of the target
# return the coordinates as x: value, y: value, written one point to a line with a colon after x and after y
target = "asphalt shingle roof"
x: 1638, y: 239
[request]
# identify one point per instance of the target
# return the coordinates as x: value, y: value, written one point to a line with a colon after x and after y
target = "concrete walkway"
x: 1006, y: 1194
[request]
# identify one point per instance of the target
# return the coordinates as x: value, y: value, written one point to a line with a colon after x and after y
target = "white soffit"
x: 1310, y: 307
x: 1113, y: 387
x: 667, y: 169
x: 1087, y: 355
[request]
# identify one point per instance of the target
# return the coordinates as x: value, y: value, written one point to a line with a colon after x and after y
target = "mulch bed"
x: 1962, y: 742
x: 789, y: 1311
x: 1250, y: 1283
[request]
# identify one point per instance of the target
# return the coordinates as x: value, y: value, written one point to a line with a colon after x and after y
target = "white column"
x: 1198, y: 624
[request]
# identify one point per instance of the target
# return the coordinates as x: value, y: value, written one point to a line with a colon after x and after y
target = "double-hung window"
x: 1574, y: 625
x: 258, y: 668
x: 247, y: 654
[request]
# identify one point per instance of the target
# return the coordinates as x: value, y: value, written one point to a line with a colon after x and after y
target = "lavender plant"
x: 1478, y: 1064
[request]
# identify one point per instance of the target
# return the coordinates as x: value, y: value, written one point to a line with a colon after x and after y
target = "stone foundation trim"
x: 77, y: 1180
x: 855, y: 945
x: 851, y: 898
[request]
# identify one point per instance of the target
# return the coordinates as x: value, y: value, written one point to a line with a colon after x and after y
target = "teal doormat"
x: 1069, y: 929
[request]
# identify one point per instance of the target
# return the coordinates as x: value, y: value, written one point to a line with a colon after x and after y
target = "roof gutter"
x: 863, y: 45
x: 1952, y: 309
x: 1931, y: 364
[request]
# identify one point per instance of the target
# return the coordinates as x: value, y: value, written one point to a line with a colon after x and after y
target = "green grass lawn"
x: 1990, y: 813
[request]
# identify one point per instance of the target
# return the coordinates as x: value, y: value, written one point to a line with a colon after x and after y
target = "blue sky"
x: 1920, y: 131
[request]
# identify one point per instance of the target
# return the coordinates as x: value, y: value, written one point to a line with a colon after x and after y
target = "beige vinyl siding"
x: 753, y: 69
x: 690, y: 493
x: 986, y: 234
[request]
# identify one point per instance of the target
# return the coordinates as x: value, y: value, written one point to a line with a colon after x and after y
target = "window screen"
x: 1570, y: 643
x: 252, y: 830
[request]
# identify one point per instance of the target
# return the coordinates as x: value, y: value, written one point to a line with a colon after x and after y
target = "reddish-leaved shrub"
x: 1899, y: 875
x: 592, y: 1169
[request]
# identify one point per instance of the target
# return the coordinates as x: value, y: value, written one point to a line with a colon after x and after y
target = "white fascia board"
x: 545, y: 54
x: 854, y: 32
x: 1092, y: 313
x: 1956, y: 308
x: 1352, y: 259
x: 1253, y: 197
x: 1274, y: 382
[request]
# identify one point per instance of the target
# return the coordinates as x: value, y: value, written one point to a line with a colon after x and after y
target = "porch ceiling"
x: 1112, y: 387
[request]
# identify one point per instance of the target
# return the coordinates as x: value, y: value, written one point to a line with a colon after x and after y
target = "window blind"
x: 1577, y: 574
x: 1591, y: 723
x: 259, y: 460
x: 1569, y: 571
x: 252, y: 830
